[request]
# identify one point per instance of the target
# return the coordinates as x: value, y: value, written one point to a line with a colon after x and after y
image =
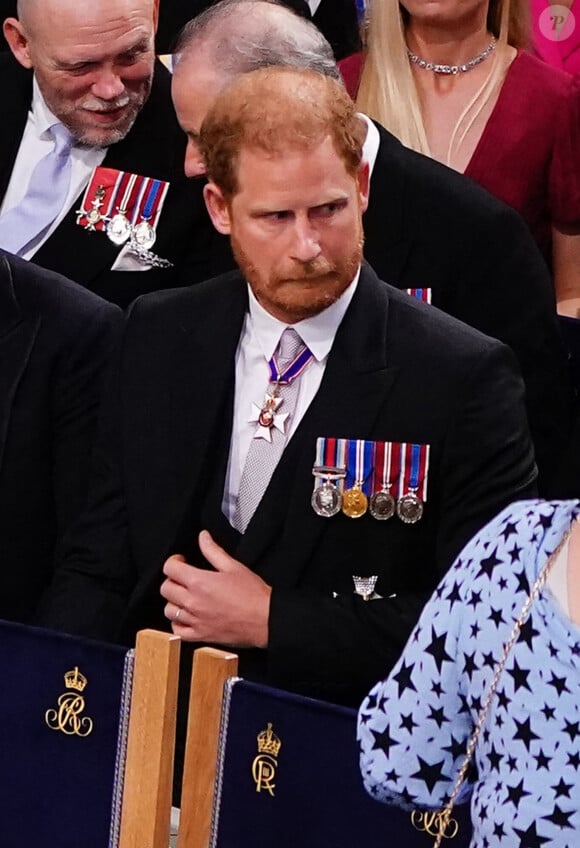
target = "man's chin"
x: 299, y: 309
x: 100, y: 136
x: 93, y: 131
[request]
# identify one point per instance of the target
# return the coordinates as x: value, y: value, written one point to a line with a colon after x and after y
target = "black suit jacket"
x: 55, y: 338
x: 399, y: 370
x: 337, y: 20
x: 428, y: 226
x: 154, y: 147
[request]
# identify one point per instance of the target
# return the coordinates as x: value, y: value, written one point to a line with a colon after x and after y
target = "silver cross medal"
x: 94, y: 215
x: 267, y: 416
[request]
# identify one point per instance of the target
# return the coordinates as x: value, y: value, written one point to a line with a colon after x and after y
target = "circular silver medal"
x: 118, y: 229
x: 326, y: 500
x: 410, y: 508
x: 144, y: 235
x: 382, y: 505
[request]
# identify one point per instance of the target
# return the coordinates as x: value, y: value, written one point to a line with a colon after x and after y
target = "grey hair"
x: 244, y: 35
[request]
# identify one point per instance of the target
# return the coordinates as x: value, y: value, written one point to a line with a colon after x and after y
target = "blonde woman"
x: 451, y: 78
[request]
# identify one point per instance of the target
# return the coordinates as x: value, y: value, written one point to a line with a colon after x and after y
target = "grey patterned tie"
x: 263, y: 455
x: 44, y: 198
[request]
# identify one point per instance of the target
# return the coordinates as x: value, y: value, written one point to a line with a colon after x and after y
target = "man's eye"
x: 80, y: 69
x: 282, y: 215
x: 132, y: 57
x: 327, y: 210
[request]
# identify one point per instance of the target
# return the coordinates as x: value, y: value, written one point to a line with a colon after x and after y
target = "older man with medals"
x: 311, y: 446
x: 91, y: 180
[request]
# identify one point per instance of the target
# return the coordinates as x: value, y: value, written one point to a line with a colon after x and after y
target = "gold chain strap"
x: 445, y: 814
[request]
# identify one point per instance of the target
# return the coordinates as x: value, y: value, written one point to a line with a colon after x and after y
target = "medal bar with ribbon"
x: 387, y: 466
x: 267, y: 415
x: 421, y: 294
x: 147, y: 213
x: 358, y: 478
x: 99, y: 199
x: 329, y: 472
x: 412, y: 482
x: 124, y: 205
x: 119, y: 226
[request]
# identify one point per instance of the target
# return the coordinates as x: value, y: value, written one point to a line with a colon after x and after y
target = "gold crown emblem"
x: 268, y: 742
x: 74, y: 679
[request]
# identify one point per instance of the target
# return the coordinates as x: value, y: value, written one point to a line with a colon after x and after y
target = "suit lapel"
x: 200, y: 393
x: 16, y: 341
x: 16, y: 100
x: 355, y: 386
x: 387, y: 222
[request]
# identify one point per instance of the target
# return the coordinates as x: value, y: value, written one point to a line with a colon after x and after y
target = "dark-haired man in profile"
x: 247, y: 415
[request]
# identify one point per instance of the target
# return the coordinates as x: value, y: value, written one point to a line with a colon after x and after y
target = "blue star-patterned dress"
x: 413, y: 727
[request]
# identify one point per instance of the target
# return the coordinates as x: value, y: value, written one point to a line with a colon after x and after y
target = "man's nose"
x: 306, y: 246
x: 194, y: 166
x: 108, y: 85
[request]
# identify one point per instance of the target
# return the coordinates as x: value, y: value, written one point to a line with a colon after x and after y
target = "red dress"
x: 529, y: 152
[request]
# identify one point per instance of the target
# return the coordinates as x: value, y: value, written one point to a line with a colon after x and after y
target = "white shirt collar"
x: 42, y: 117
x: 371, y: 143
x: 313, y: 4
x: 317, y: 332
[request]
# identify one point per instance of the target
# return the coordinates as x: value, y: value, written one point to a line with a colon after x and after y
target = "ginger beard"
x: 305, y: 288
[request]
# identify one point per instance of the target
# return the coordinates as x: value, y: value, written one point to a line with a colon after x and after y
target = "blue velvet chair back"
x: 60, y: 704
x: 288, y: 776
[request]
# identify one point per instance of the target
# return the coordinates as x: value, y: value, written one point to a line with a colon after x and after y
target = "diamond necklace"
x: 452, y: 69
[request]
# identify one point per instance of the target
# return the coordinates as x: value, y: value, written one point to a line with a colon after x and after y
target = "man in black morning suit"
x: 337, y: 19
x: 426, y: 226
x: 55, y: 339
x: 152, y: 146
x: 170, y: 453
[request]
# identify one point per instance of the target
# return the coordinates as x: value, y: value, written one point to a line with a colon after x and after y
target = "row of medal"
x: 354, y: 476
x: 125, y: 206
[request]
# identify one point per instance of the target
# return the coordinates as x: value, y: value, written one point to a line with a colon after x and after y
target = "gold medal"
x: 354, y: 501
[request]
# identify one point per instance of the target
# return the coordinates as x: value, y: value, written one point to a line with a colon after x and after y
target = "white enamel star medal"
x: 267, y: 416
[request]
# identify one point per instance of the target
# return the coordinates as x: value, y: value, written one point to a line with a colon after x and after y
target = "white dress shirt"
x: 371, y: 143
x: 314, y: 4
x: 259, y: 339
x: 35, y: 144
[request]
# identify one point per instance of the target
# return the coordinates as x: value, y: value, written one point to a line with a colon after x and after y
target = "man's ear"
x: 218, y: 208
x: 17, y: 39
x: 155, y: 15
x: 363, y: 180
